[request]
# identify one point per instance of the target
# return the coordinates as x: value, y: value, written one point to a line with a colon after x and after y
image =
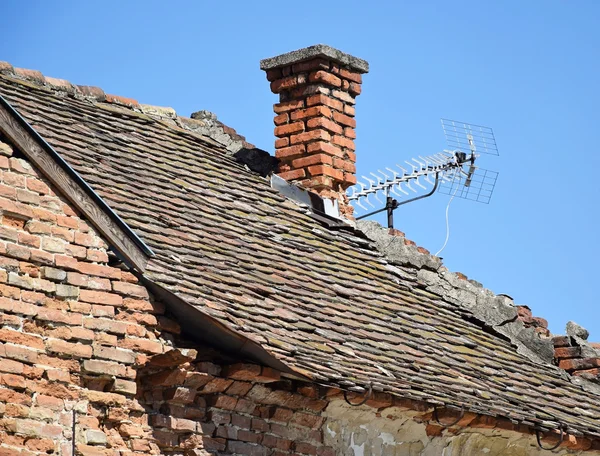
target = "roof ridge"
x: 204, y: 123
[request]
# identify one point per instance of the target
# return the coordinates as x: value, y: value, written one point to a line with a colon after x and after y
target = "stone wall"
x: 399, y: 431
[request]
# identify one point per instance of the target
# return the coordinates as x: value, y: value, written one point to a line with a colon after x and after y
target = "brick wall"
x: 74, y: 328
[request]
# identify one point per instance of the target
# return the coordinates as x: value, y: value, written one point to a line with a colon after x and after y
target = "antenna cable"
x: 447, y: 222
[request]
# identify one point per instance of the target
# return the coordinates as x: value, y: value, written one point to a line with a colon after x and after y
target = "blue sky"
x: 529, y: 70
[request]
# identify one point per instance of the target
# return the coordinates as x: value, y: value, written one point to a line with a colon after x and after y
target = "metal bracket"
x: 392, y: 204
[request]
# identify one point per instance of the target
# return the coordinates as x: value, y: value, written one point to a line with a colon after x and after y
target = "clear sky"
x: 527, y: 69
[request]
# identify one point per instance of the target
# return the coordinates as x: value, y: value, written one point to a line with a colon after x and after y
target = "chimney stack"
x: 314, y: 119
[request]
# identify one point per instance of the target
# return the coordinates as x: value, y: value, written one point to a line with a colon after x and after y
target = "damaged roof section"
x: 325, y: 303
x: 496, y: 312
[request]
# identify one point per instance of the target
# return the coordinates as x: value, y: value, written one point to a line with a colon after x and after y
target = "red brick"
x: 35, y: 185
x: 292, y: 175
x: 99, y: 270
x: 281, y: 119
x: 291, y: 151
x: 325, y: 77
x: 144, y: 345
x: 98, y: 256
x: 288, y: 83
x: 567, y: 352
x: 168, y: 325
x: 561, y: 341
x: 105, y: 324
x: 313, y: 135
x: 66, y: 262
x: 588, y: 372
x: 274, y: 74
x: 320, y: 159
x: 287, y: 106
x: 13, y: 397
x: 180, y: 395
x: 114, y: 354
x: 344, y: 165
x: 345, y: 97
x: 343, y: 142
x: 5, y: 190
x: 58, y: 316
x: 19, y: 338
x: 68, y: 348
x: 318, y: 170
x: 578, y: 364
x: 324, y: 147
x: 355, y: 89
x: 39, y: 256
x: 85, y: 239
x: 322, y: 122
x: 43, y: 215
x: 351, y: 75
x: 17, y: 251
x: 344, y: 119
x: 10, y: 292
x: 100, y: 297
x: 130, y: 289
x: 313, y: 64
x: 289, y: 129
x: 53, y: 403
x: 282, y: 142
x: 76, y: 251
x: 25, y: 196
x: 10, y: 366
x: 320, y: 99
x: 315, y: 111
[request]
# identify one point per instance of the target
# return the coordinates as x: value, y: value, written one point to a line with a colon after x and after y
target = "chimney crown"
x: 314, y: 120
x: 311, y: 52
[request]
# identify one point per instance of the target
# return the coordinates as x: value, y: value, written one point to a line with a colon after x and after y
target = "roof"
x: 325, y: 302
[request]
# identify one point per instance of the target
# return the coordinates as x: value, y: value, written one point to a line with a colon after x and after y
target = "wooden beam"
x: 73, y: 187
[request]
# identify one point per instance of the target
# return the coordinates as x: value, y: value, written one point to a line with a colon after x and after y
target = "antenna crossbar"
x: 443, y: 165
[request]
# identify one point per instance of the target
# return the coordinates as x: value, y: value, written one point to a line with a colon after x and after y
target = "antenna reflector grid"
x: 481, y: 184
x: 469, y: 138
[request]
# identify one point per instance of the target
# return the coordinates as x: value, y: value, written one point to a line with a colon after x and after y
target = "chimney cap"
x: 318, y: 50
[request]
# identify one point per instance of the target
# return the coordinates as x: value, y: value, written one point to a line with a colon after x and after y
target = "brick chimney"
x: 314, y: 119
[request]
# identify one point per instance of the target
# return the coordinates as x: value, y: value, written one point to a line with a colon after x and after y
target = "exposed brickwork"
x: 577, y: 356
x: 236, y: 409
x: 74, y: 328
x: 314, y: 125
x: 539, y: 324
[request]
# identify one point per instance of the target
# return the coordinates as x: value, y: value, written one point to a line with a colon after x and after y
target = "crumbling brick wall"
x: 73, y: 327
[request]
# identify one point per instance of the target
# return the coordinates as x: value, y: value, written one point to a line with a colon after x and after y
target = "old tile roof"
x: 325, y: 302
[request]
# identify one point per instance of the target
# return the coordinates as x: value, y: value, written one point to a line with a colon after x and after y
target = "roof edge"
x: 203, y: 123
x: 117, y: 233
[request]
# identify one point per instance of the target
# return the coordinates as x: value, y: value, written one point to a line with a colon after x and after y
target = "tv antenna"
x: 451, y: 172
